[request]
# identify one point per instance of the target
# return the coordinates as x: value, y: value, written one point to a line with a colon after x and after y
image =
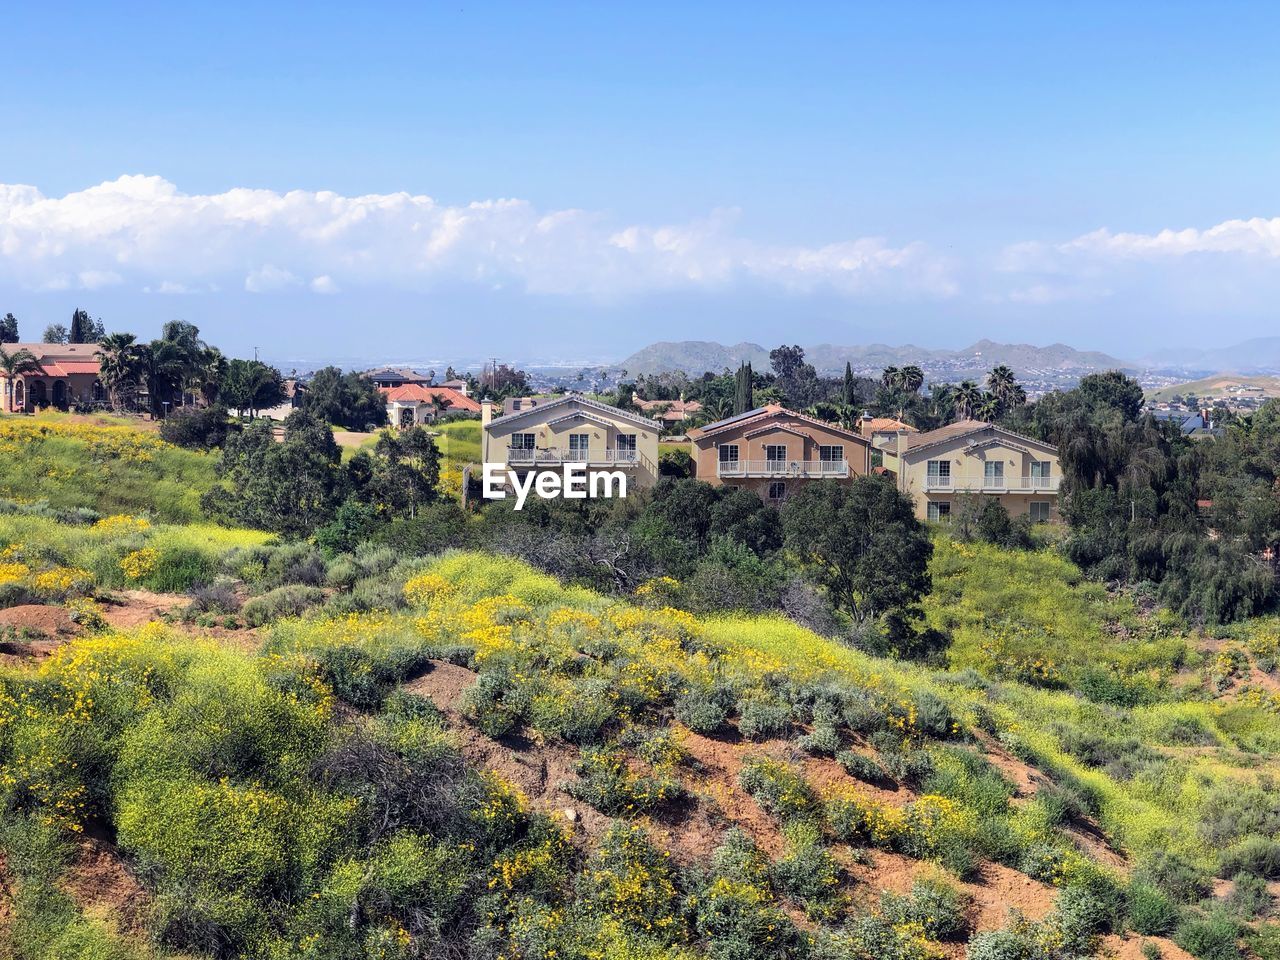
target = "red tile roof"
x: 440, y: 396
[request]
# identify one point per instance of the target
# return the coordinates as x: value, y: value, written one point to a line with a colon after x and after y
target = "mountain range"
x: 1261, y: 354
x: 699, y: 356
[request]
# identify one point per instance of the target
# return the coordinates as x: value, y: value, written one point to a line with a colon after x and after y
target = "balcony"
x: 991, y: 485
x: 783, y: 469
x: 554, y: 458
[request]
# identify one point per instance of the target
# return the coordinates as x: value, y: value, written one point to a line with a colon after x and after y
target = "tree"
x: 911, y: 378
x: 797, y: 380
x: 121, y: 366
x: 290, y: 488
x: 966, y: 397
x: 349, y: 400
x: 862, y: 542
x: 849, y: 392
x: 84, y: 329
x: 55, y: 333
x: 745, y: 385
x: 14, y: 365
x: 891, y: 377
x: 405, y: 473
x: 251, y: 385
x: 9, y: 329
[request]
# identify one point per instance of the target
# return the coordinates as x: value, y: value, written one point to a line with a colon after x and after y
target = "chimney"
x: 486, y: 413
x: 904, y: 441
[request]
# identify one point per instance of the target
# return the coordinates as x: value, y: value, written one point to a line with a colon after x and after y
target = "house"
x: 973, y: 457
x: 573, y: 429
x: 517, y: 404
x: 880, y: 430
x: 68, y: 375
x: 414, y: 403
x: 389, y: 378
x: 774, y: 451
x: 458, y: 384
x: 668, y: 412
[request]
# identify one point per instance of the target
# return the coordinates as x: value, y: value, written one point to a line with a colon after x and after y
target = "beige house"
x: 974, y: 458
x: 773, y: 452
x: 68, y: 375
x: 573, y: 429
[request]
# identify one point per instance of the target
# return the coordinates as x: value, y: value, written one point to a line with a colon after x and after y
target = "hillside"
x: 974, y: 361
x: 1220, y: 386
x: 1259, y: 354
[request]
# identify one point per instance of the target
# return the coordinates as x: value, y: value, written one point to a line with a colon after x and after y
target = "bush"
x: 1179, y: 879
x: 761, y: 718
x: 807, y: 873
x: 778, y: 788
x: 823, y: 740
x: 1151, y: 913
x: 290, y: 601
x: 702, y: 711
x: 1256, y: 856
x: 1214, y: 936
x: 196, y: 428
x: 936, y: 907
x: 212, y: 598
x: 578, y: 713
x: 496, y: 703
x: 861, y: 767
x: 1249, y: 897
x: 608, y: 784
x: 870, y: 938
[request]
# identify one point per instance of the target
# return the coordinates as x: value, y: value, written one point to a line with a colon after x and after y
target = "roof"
x: 391, y: 373
x: 439, y: 396
x: 671, y: 406
x: 961, y: 428
x: 455, y: 383
x: 772, y: 410
x: 869, y: 425
x: 57, y: 352
x: 586, y: 402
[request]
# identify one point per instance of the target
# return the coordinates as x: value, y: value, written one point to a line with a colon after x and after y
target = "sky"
x: 572, y: 181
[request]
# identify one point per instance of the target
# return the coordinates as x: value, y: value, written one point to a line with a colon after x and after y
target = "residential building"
x: 68, y: 375
x: 975, y: 458
x: 774, y: 452
x: 389, y: 377
x: 518, y: 404
x: 573, y: 429
x: 458, y: 384
x: 414, y: 404
x: 668, y: 412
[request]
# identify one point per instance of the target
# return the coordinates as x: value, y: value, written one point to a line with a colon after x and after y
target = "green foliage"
x: 348, y: 399
x: 936, y: 907
x: 288, y: 601
x: 778, y: 788
x: 1213, y: 936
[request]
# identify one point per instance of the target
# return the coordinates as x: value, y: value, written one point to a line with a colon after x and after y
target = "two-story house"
x: 573, y: 429
x: 970, y: 458
x: 774, y: 452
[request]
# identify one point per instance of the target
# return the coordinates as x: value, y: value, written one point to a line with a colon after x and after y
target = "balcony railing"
x: 994, y: 485
x: 622, y: 458
x: 782, y: 468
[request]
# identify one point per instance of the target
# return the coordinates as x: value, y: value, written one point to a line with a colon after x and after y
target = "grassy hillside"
x: 493, y: 764
x: 107, y: 466
x: 1219, y: 386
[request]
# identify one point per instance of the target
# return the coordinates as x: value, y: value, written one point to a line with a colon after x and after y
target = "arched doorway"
x: 19, y: 394
x: 406, y: 417
x: 39, y: 397
x: 98, y: 393
x: 60, y: 394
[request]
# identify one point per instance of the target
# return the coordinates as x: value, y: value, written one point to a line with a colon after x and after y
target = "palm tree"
x: 988, y: 408
x: 891, y: 377
x: 1001, y: 382
x: 14, y: 365
x: 207, y: 376
x: 911, y: 378
x: 120, y: 367
x: 967, y: 396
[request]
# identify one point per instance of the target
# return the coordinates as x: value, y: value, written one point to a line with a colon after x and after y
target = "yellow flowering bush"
x: 121, y: 523
x: 140, y: 564
x: 426, y: 588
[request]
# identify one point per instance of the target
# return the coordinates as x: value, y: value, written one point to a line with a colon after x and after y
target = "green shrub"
x: 1180, y: 879
x: 1151, y: 912
x: 701, y: 713
x: 778, y: 788
x: 290, y: 601
x: 869, y: 938
x: 496, y: 703
x: 823, y: 740
x: 1249, y: 897
x: 1256, y: 856
x: 738, y: 922
x: 607, y: 783
x: 1213, y: 936
x: 761, y: 718
x: 861, y: 767
x: 938, y: 908
x: 806, y: 872
x: 580, y: 714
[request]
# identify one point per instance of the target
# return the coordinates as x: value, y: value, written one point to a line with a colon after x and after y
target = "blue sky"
x: 577, y: 180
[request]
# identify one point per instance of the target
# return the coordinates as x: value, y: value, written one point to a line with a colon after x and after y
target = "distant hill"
x: 1258, y: 354
x: 1220, y: 386
x: 698, y: 356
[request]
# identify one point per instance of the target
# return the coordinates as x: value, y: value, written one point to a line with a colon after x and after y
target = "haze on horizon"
x: 576, y: 181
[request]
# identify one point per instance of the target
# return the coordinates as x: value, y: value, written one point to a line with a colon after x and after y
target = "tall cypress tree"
x: 748, y: 389
x: 850, y: 391
x: 80, y: 327
x: 742, y: 389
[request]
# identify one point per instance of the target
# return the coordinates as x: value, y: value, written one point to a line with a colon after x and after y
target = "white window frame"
x: 938, y: 511
x: 728, y: 453
x: 993, y: 473
x: 524, y: 441
x: 1045, y: 506
x: 772, y: 458
x: 1041, y: 472
x: 938, y: 473
x: 580, y: 445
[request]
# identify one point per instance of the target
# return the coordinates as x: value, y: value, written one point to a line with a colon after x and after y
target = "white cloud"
x: 1254, y: 237
x: 142, y: 231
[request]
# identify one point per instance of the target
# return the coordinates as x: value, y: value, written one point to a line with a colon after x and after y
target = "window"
x: 831, y: 457
x: 776, y: 455
x: 777, y: 490
x: 938, y: 511
x: 877, y: 457
x: 939, y: 473
x: 1040, y: 511
x: 579, y: 444
x: 993, y: 473
x: 728, y: 458
x: 522, y: 441
x: 516, y: 405
x: 1040, y: 474
x: 626, y: 446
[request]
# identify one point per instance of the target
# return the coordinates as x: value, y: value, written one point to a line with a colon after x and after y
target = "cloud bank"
x: 141, y: 232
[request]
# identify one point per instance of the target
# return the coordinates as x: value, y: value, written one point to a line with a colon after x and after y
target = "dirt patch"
x: 1130, y: 948
x: 535, y: 765
x: 100, y: 882
x: 1026, y: 779
x: 128, y: 609
x: 37, y: 620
